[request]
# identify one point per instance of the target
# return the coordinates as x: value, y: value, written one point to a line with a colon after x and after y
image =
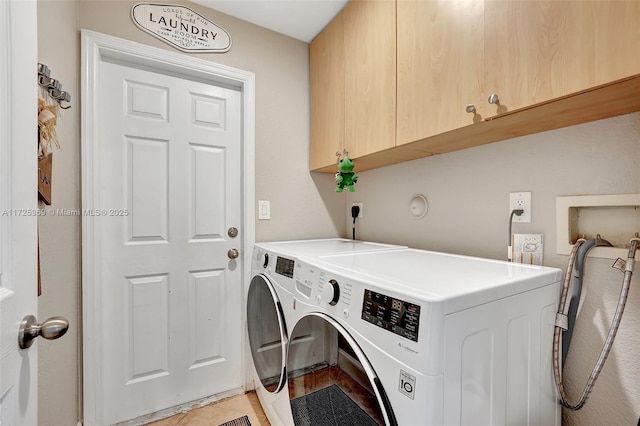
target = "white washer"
x: 270, y: 308
x: 436, y: 338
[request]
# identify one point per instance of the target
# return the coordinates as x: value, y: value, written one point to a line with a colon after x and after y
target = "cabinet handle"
x: 493, y: 99
x: 471, y: 109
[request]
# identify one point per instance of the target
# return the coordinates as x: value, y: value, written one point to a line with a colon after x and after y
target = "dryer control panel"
x: 285, y: 266
x: 391, y: 314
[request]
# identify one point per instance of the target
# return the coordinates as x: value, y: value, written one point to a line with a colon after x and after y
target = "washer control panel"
x: 394, y: 315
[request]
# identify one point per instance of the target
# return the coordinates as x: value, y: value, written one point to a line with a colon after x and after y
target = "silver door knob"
x: 53, y: 328
x: 493, y: 99
x: 471, y: 109
x: 233, y: 253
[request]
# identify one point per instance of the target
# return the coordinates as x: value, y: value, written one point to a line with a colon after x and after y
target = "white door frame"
x: 97, y: 47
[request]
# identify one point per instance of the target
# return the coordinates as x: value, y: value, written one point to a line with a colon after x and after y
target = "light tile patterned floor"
x: 220, y: 412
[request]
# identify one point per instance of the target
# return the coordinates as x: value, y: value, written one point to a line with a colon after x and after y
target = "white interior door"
x: 18, y: 204
x: 170, y: 187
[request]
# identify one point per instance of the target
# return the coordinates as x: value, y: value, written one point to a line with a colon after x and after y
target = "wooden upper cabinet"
x: 539, y: 50
x: 370, y: 76
x: 615, y: 29
x: 534, y: 55
x: 440, y: 50
x: 326, y: 79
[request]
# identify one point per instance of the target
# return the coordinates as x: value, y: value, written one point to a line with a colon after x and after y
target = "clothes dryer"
x: 454, y: 340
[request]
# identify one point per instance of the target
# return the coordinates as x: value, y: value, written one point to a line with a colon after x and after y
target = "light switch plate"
x: 264, y: 209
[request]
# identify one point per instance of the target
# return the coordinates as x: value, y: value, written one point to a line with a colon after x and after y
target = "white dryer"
x: 413, y: 337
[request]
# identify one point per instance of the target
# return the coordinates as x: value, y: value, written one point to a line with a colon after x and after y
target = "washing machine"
x: 270, y: 301
x: 402, y: 336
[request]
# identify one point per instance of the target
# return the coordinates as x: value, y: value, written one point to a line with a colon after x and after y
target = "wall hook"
x: 52, y: 86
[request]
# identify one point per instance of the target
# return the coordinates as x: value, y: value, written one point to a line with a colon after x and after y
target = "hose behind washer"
x: 576, y: 289
x: 562, y: 326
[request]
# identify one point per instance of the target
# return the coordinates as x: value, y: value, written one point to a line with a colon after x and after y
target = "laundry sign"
x: 182, y: 27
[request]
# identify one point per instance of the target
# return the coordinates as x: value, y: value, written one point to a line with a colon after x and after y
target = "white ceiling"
x: 301, y: 19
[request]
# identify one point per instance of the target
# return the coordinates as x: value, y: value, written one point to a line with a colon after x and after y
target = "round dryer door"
x: 267, y: 333
x: 331, y: 382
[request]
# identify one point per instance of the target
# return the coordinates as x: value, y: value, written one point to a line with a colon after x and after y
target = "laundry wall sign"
x: 182, y: 27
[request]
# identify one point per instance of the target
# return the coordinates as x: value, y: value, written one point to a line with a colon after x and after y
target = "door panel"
x: 327, y: 93
x: 440, y: 66
x: 146, y: 192
x: 370, y: 76
x: 540, y: 50
x: 170, y: 186
x: 18, y: 209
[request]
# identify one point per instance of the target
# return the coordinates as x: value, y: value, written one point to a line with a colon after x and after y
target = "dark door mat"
x: 240, y: 421
x: 329, y: 406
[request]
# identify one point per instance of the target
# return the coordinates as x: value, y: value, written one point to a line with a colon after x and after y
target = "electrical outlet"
x: 520, y: 201
x: 360, y: 214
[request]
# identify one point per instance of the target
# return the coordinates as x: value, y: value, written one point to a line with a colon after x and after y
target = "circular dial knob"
x: 331, y: 292
x: 266, y: 260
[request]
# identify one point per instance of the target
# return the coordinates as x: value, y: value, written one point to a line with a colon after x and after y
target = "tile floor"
x: 220, y: 412
x: 237, y: 406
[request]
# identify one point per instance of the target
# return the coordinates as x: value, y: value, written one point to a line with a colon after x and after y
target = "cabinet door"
x: 326, y: 79
x: 370, y: 76
x: 543, y: 49
x: 440, y: 66
x: 614, y: 29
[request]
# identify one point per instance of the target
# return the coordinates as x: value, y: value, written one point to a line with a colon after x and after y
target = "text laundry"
x: 184, y: 26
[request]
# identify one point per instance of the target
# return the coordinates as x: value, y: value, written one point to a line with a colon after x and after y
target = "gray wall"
x: 59, y: 361
x: 302, y: 205
x: 468, y: 194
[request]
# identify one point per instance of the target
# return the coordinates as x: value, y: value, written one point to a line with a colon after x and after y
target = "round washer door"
x: 330, y: 378
x: 267, y: 333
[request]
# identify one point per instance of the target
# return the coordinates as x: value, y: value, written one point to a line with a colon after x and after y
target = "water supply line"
x: 562, y: 322
x: 576, y: 289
